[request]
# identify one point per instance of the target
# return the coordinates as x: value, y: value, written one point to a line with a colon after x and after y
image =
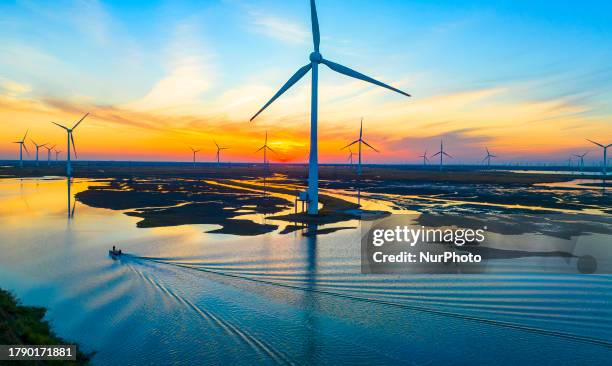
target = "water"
x: 186, y: 296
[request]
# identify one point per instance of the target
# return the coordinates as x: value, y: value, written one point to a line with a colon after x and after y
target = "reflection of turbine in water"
x: 71, y: 206
x: 315, y: 59
x: 359, y: 141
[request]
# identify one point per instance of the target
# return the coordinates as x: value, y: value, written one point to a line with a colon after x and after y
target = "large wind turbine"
x: 219, y: 148
x: 315, y: 59
x: 70, y: 139
x: 488, y: 157
x: 441, y: 153
x: 605, y: 154
x: 194, y: 151
x: 22, y: 146
x: 360, y: 141
x: 425, y: 159
x: 49, y: 153
x: 265, y: 149
x: 37, y: 148
x: 581, y: 157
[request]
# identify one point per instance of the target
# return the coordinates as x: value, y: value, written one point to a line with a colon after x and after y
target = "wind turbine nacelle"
x: 316, y: 57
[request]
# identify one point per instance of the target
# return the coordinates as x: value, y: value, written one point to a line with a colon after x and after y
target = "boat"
x: 115, y: 253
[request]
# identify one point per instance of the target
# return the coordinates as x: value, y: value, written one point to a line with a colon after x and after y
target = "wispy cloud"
x: 279, y: 28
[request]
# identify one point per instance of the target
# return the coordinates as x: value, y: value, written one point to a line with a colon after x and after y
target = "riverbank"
x: 25, y: 325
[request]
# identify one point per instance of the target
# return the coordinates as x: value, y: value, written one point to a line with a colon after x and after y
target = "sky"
x: 529, y: 79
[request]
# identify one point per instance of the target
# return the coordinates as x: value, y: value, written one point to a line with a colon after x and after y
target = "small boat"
x: 115, y: 253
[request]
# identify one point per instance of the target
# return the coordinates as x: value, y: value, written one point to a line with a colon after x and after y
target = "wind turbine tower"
x: 581, y: 157
x: 425, y: 159
x: 315, y: 60
x: 605, y: 154
x: 37, y: 148
x: 22, y: 146
x: 441, y: 153
x: 488, y: 157
x: 265, y: 149
x: 360, y: 141
x: 70, y: 138
x: 219, y: 149
x: 194, y: 151
x: 49, y: 153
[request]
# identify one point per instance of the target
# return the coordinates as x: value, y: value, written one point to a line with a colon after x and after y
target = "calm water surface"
x: 183, y: 295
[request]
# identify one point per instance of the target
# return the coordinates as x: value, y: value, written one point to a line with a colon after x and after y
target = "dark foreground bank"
x: 26, y: 325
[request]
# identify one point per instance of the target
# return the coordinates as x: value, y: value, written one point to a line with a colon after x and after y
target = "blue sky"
x: 158, y: 63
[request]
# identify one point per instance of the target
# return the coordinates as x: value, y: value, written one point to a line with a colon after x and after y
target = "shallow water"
x: 185, y: 295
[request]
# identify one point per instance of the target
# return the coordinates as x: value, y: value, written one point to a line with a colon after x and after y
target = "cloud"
x: 279, y: 28
x: 12, y: 88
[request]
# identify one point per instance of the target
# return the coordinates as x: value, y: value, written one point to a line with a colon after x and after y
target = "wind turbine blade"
x: 493, y: 156
x: 73, y: 145
x: 25, y: 148
x: 596, y: 143
x: 426, y: 158
x: 370, y: 146
x: 269, y: 148
x: 24, y: 136
x: 81, y: 120
x: 65, y: 128
x: 316, y: 37
x: 354, y: 74
x: 447, y: 155
x: 294, y: 79
x: 485, y: 159
x: 436, y: 154
x: 258, y: 150
x: 351, y: 144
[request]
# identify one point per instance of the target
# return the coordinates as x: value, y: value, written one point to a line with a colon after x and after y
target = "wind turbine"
x: 441, y: 153
x: 488, y: 157
x: 315, y: 59
x: 581, y: 157
x: 194, y: 155
x: 360, y: 141
x: 351, y: 154
x: 49, y: 153
x: 37, y: 148
x: 605, y: 154
x: 70, y: 139
x: 22, y: 147
x: 57, y: 152
x: 265, y: 149
x: 425, y: 159
x: 219, y: 148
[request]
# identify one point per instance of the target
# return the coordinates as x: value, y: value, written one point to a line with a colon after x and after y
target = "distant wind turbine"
x: 441, y: 153
x: 70, y: 140
x: 360, y: 141
x: 194, y: 151
x: 581, y: 157
x: 488, y: 157
x: 49, y: 153
x: 37, y: 148
x: 315, y: 59
x: 351, y: 154
x: 605, y: 154
x: 425, y: 159
x: 265, y: 149
x: 219, y: 148
x: 57, y: 152
x: 22, y: 146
